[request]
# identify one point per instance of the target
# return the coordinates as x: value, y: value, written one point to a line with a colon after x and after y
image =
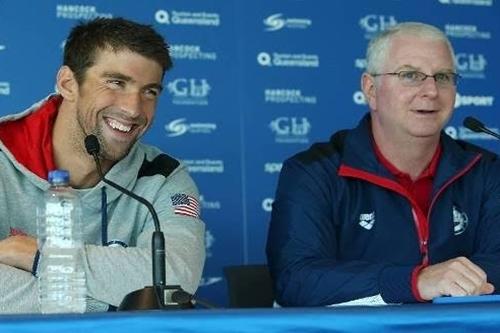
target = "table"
x: 483, y: 317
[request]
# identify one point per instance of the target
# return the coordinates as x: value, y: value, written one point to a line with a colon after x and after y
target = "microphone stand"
x: 159, y: 295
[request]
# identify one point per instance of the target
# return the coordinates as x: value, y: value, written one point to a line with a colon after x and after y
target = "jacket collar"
x: 358, y: 153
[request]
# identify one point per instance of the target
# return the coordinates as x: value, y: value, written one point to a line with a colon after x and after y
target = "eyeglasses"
x: 416, y: 78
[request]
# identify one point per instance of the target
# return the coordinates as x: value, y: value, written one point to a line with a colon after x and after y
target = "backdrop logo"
x: 277, y: 22
x: 287, y: 96
x: 189, y: 91
x: 191, y: 52
x: 179, y: 127
x: 291, y: 129
x: 359, y: 98
x: 204, y: 166
x: 360, y: 63
x: 79, y: 12
x: 206, y: 204
x: 373, y: 24
x: 471, y: 65
x: 288, y: 59
x: 465, y: 31
x: 187, y: 18
x: 272, y: 167
x: 209, y: 242
x: 2, y: 47
x: 5, y: 88
x: 462, y: 100
x: 462, y: 133
x: 467, y: 2
x: 209, y: 280
x: 267, y: 204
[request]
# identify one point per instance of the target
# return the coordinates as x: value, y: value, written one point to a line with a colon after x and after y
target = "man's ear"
x: 369, y: 90
x: 67, y: 85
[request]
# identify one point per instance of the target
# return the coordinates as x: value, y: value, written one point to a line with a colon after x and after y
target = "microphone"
x: 148, y: 297
x: 476, y: 126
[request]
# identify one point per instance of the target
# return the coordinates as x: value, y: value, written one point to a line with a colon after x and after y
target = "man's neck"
x: 410, y: 156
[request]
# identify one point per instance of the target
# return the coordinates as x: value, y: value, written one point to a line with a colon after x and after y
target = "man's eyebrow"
x: 117, y: 75
x: 123, y: 77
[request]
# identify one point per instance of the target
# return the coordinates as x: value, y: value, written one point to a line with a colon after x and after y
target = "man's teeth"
x: 119, y: 126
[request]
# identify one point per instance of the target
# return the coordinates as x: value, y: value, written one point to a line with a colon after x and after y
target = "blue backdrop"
x: 254, y: 82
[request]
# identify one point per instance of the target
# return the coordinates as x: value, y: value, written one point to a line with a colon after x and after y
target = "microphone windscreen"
x: 473, y: 124
x: 92, y: 144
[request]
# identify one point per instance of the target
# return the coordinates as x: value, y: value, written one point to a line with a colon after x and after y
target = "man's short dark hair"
x: 86, y: 39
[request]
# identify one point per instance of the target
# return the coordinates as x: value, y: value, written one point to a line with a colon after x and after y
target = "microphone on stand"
x: 158, y: 296
x: 477, y: 126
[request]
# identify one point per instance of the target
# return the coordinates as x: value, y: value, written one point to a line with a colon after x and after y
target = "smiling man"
x: 393, y: 211
x: 108, y: 86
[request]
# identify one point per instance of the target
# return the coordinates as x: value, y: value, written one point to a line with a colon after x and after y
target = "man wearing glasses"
x: 394, y: 210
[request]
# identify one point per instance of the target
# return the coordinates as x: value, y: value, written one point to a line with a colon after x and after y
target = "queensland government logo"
x: 191, y: 52
x: 267, y: 204
x: 372, y: 24
x: 204, y: 166
x: 277, y: 22
x: 287, y: 59
x: 487, y: 3
x: 2, y: 47
x: 471, y: 65
x: 189, y: 91
x: 465, y: 31
x: 79, y: 12
x: 272, y: 167
x: 177, y: 17
x: 287, y: 96
x: 291, y: 129
x: 180, y: 127
x: 4, y: 88
x: 463, y: 133
x: 209, y: 242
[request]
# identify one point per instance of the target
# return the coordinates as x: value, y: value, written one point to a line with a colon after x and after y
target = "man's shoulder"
x: 156, y: 162
x: 331, y: 150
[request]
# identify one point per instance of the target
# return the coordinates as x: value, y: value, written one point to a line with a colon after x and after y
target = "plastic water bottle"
x: 62, y: 285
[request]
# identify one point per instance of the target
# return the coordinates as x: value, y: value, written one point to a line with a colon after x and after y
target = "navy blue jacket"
x: 342, y: 228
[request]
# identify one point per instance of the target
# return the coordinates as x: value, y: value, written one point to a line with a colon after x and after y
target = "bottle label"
x: 59, y: 224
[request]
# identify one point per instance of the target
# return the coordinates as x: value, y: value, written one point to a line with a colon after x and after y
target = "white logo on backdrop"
x: 187, y: 18
x: 471, y: 65
x: 209, y: 242
x: 465, y: 31
x: 272, y: 167
x: 467, y: 2
x: 189, y: 91
x: 291, y: 129
x: 206, y: 204
x: 359, y: 98
x: 2, y: 47
x: 267, y: 204
x: 462, y: 100
x: 5, y: 88
x: 179, y: 127
x: 277, y: 22
x: 191, y: 52
x: 287, y: 96
x: 204, y: 166
x: 462, y: 133
x: 79, y: 12
x: 372, y: 24
x: 288, y: 59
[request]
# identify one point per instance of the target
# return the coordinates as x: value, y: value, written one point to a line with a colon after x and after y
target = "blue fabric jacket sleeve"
x: 302, y: 246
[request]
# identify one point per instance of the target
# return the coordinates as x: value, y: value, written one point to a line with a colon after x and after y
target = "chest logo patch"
x: 367, y: 221
x: 460, y: 221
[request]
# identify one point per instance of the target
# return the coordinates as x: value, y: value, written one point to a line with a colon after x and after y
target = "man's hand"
x: 18, y: 251
x: 455, y: 277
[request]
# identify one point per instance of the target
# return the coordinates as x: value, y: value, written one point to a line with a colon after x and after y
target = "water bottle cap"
x: 58, y: 177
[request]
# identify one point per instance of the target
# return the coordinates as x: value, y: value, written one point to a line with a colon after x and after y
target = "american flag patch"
x: 185, y: 205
